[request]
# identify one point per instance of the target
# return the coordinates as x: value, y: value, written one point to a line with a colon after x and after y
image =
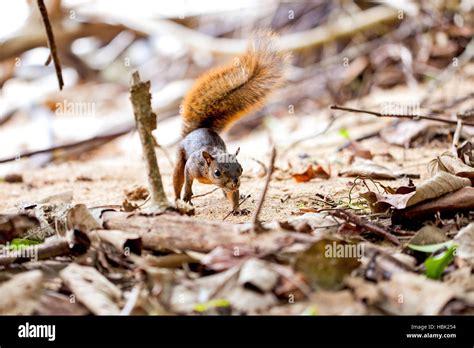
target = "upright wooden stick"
x: 146, y: 123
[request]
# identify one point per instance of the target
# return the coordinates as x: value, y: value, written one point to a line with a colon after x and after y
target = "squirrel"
x: 218, y: 98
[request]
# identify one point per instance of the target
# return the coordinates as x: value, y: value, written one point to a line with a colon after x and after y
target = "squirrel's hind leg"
x: 178, y: 174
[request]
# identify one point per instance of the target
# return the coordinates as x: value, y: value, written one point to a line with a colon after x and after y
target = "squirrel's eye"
x: 217, y: 173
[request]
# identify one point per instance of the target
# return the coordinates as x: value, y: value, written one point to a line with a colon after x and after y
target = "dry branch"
x: 256, y: 225
x: 83, y: 144
x: 411, y: 117
x: 171, y: 232
x: 367, y: 225
x: 343, y: 26
x: 27, y: 40
x: 146, y: 123
x: 233, y: 210
x: 51, y: 43
x: 77, y: 244
x: 174, y: 232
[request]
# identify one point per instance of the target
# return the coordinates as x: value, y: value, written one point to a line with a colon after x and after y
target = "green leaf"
x: 217, y: 303
x: 430, y: 248
x: 20, y: 243
x: 200, y: 307
x: 311, y: 310
x: 435, y: 265
x: 344, y: 133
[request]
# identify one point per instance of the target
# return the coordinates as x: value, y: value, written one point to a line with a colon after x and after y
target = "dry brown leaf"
x: 20, y: 295
x: 248, y: 301
x: 405, y: 132
x: 367, y: 168
x: 363, y: 290
x: 186, y: 295
x: 450, y: 204
x: 439, y: 185
x: 230, y: 285
x: 428, y: 234
x: 92, y: 289
x: 447, y: 162
x: 13, y: 178
x: 53, y: 303
x: 259, y: 274
x: 324, y: 303
x: 465, y: 241
x: 358, y: 150
x: 79, y: 217
x: 137, y: 193
x: 336, y: 303
x: 410, y: 294
x: 16, y: 226
x: 124, y: 242
x: 310, y: 173
x: 225, y: 257
x: 129, y: 206
x: 327, y: 262
x: 461, y: 277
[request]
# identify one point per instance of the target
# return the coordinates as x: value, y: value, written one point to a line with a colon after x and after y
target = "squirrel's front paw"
x: 241, y: 212
x: 188, y: 201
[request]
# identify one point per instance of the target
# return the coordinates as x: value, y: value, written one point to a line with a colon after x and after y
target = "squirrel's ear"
x: 237, y: 152
x: 207, y: 156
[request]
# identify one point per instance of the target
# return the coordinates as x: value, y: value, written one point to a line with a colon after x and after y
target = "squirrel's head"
x: 223, y: 170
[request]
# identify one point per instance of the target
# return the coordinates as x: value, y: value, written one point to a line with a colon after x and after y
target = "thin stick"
x: 205, y: 194
x: 51, y: 43
x: 412, y: 117
x: 358, y: 139
x: 456, y: 136
x: 100, y: 139
x: 242, y: 202
x: 146, y: 123
x: 367, y: 225
x: 311, y: 136
x: 256, y: 225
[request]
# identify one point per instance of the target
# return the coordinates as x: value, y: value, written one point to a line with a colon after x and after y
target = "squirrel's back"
x: 226, y: 93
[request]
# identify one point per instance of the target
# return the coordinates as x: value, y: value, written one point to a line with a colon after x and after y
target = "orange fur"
x: 224, y: 94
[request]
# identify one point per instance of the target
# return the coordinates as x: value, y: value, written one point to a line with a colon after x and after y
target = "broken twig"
x: 146, y: 123
x: 88, y: 144
x: 256, y: 225
x: 233, y: 210
x: 51, y: 43
x: 412, y: 117
x: 367, y: 225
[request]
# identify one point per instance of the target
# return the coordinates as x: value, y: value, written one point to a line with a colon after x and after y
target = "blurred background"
x: 342, y: 51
